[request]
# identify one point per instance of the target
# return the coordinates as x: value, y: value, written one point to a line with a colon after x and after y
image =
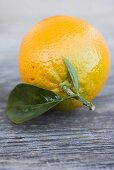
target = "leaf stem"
x: 64, y: 87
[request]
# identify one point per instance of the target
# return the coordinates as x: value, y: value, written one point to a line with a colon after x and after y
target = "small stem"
x: 68, y: 91
x: 86, y: 103
x: 65, y: 87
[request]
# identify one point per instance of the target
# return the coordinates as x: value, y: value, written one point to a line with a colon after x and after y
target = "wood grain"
x: 79, y: 139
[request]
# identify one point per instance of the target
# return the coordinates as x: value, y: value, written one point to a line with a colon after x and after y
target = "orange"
x: 48, y: 42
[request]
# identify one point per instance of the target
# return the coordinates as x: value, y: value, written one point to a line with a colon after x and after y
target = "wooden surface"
x: 79, y: 139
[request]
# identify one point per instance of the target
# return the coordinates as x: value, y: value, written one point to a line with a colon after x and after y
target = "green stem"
x: 86, y: 103
x: 65, y: 86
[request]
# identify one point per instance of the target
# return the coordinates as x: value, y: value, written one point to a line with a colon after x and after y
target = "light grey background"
x: 74, y: 140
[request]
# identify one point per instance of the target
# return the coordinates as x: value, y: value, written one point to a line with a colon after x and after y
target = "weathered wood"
x: 79, y: 139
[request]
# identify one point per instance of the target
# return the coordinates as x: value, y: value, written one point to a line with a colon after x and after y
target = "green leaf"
x: 73, y: 74
x: 27, y: 102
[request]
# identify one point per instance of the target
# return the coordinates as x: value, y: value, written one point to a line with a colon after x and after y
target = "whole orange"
x: 48, y: 42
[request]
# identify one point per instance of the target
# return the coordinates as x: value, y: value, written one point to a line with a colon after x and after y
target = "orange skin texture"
x: 48, y: 42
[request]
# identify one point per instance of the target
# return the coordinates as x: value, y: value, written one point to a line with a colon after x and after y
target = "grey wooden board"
x: 79, y: 139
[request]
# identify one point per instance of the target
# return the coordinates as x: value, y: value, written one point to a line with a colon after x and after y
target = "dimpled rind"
x: 48, y: 42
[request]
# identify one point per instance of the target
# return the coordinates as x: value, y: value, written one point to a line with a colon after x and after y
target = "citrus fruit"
x: 50, y: 41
